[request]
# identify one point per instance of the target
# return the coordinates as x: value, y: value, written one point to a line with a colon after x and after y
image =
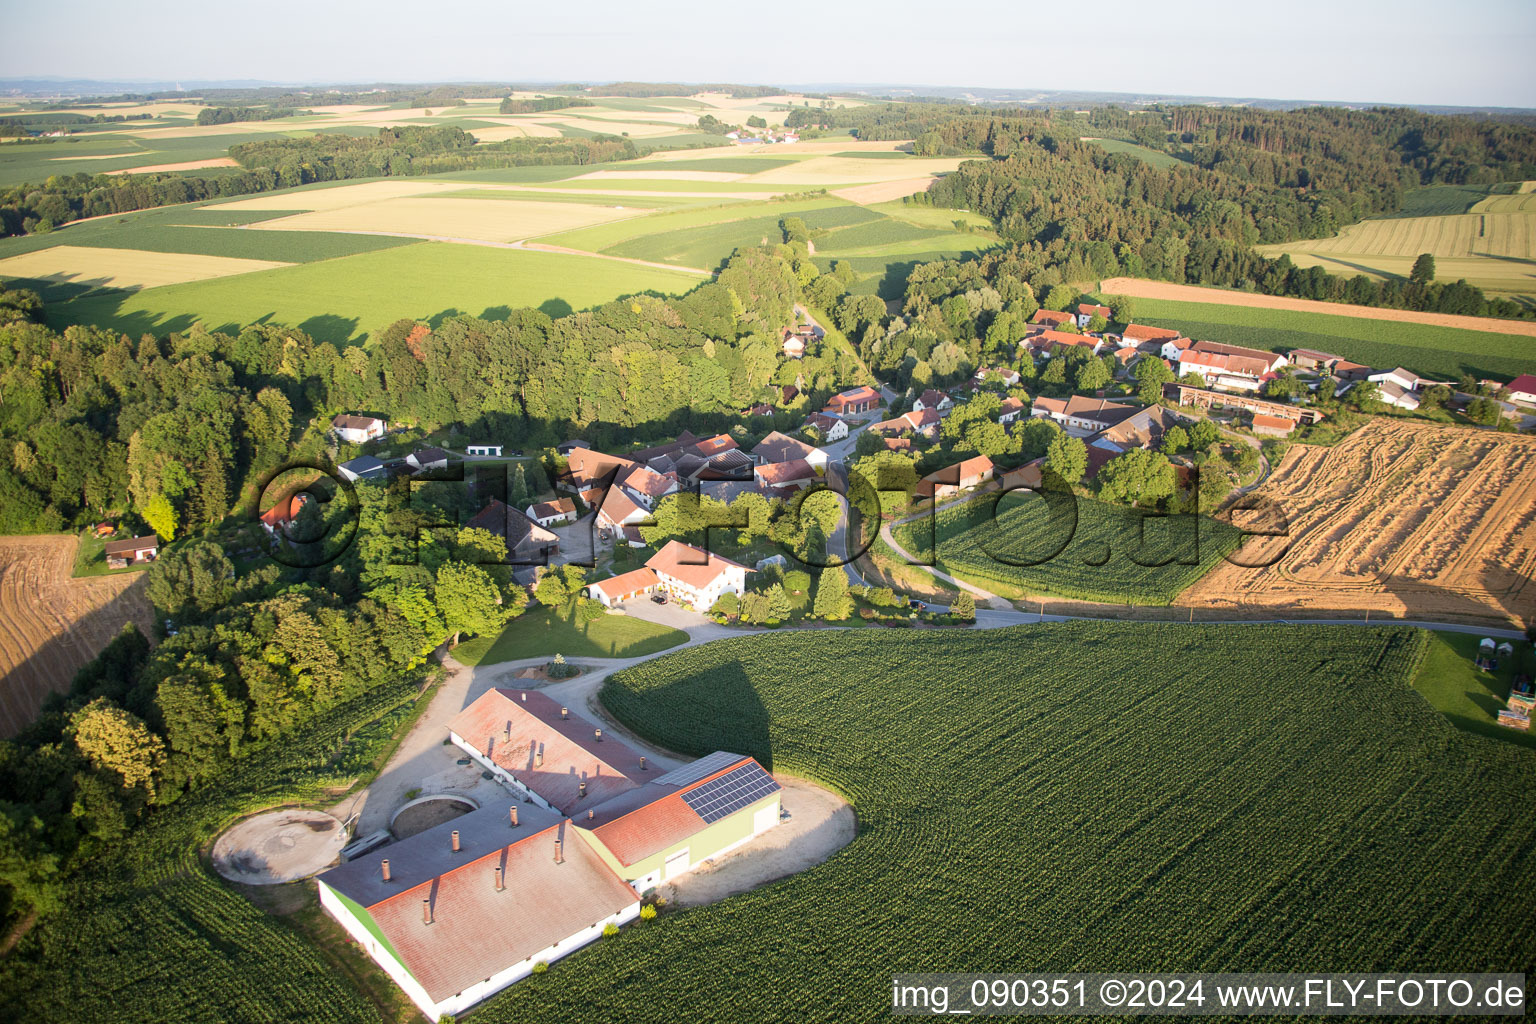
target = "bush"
x: 540, y: 967
x: 648, y: 913
x: 610, y: 929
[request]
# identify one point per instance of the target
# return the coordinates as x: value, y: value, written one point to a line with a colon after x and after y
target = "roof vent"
x: 499, y: 885
x: 426, y: 910
x: 455, y: 840
x: 559, y: 853
x: 384, y: 868
x: 598, y: 735
x: 565, y: 713
x: 514, y: 815
x: 590, y: 815
x: 581, y: 790
x: 642, y: 762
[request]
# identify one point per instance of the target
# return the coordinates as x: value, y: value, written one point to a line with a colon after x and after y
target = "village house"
x: 1139, y: 333
x: 830, y: 428
x: 777, y: 447
x: 527, y: 542
x: 133, y: 551
x: 587, y: 468
x: 619, y: 509
x: 853, y: 401
x: 1272, y: 426
x: 1173, y: 348
x: 1229, y: 366
x: 1394, y: 394
x: 1142, y: 429
x: 1002, y: 374
x: 933, y: 399
x: 358, y: 429
x: 925, y: 422
x: 553, y: 513
x: 364, y: 467
x: 951, y: 480
x: 1045, y: 344
x: 427, y: 460
x: 1010, y: 410
x: 697, y: 577
x: 614, y: 591
x: 283, y: 511
x: 1052, y: 318
x: 482, y: 451
x: 782, y: 479
x: 1081, y: 416
x: 1086, y: 313
x: 794, y: 346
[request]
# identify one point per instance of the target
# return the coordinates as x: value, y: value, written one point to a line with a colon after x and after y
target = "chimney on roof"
x: 559, y: 853
x: 499, y: 885
x: 426, y: 910
x: 565, y: 713
x: 525, y: 696
x: 598, y: 735
x: 514, y: 815
x: 455, y: 840
x: 384, y: 868
x: 538, y: 758
x: 642, y: 762
x: 590, y: 815
x: 508, y: 730
x: 582, y: 790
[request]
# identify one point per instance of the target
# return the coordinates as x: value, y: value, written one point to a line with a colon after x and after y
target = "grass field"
x: 1433, y: 351
x: 455, y: 217
x: 1468, y: 696
x: 1091, y: 554
x: 66, y: 270
x: 1155, y: 157
x: 1052, y: 797
x: 545, y: 632
x: 344, y: 298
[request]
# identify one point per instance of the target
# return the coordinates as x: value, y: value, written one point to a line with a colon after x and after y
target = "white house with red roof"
x: 614, y: 591
x: 695, y: 576
x: 1522, y: 390
x: 853, y: 401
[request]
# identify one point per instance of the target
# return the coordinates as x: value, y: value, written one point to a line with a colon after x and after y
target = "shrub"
x: 610, y: 929
x: 648, y: 913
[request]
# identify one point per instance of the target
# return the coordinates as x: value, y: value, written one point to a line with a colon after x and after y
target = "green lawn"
x: 1464, y: 693
x: 341, y: 299
x: 545, y: 632
x: 1155, y: 157
x: 1433, y: 351
x: 91, y: 558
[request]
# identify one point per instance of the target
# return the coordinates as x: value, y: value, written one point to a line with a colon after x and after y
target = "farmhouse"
x: 612, y: 592
x: 794, y: 347
x: 1312, y: 359
x: 364, y: 467
x: 647, y: 486
x: 484, y: 450
x: 1052, y: 318
x: 1138, y: 333
x: 1082, y: 416
x: 283, y: 511
x: 1173, y: 348
x: 829, y: 427
x: 695, y: 576
x: 553, y: 513
x: 1086, y: 313
x: 1272, y: 360
x: 1229, y: 366
x: 123, y: 553
x: 1047, y: 343
x: 1142, y: 429
x: 933, y: 399
x: 587, y: 468
x: 781, y: 479
x: 619, y: 509
x: 1406, y: 380
x: 358, y: 429
x: 853, y: 401
x: 1394, y: 394
x: 951, y: 480
x: 777, y: 447
x: 427, y: 459
x: 1010, y: 410
x: 528, y: 543
x: 1522, y: 390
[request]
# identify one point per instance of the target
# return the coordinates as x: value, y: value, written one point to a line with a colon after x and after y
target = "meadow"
x: 545, y: 632
x: 1469, y: 697
x: 1025, y: 544
x: 351, y: 297
x: 1444, y: 352
x: 1157, y: 158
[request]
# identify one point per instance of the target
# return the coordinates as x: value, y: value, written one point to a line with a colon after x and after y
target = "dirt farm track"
x: 51, y: 624
x: 1418, y: 521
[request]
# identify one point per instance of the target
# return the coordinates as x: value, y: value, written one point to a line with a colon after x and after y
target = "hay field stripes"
x: 1506, y: 234
x: 445, y: 217
x: 1421, y: 521
x: 51, y: 625
x: 124, y: 268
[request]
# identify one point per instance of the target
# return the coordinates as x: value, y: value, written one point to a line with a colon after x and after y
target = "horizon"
x: 1192, y: 48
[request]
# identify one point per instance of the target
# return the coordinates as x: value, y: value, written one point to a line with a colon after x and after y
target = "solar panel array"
x: 730, y: 792
x: 707, y: 765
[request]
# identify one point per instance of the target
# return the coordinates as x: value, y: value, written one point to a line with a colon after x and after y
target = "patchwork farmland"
x: 51, y: 625
x: 1416, y: 521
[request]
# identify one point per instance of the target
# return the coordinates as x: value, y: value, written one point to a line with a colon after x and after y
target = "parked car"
x: 916, y: 605
x: 659, y: 597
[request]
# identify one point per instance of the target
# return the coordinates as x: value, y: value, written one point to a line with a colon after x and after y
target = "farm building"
x: 1183, y: 394
x: 135, y: 550
x: 1312, y: 359
x: 1522, y: 390
x: 586, y: 468
x: 1173, y: 348
x: 1010, y: 410
x: 695, y: 576
x: 358, y: 429
x: 619, y: 509
x: 553, y: 513
x: 484, y: 450
x: 1048, y: 343
x: 1223, y: 370
x: 1052, y: 318
x: 614, y: 591
x: 853, y: 401
x: 1272, y: 426
x: 1081, y: 416
x: 364, y: 467
x: 924, y: 422
x: 781, y: 479
x: 283, y: 511
x: 1138, y: 333
x: 528, y: 543
x: 951, y: 480
x: 1394, y: 394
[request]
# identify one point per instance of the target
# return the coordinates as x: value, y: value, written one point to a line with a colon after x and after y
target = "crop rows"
x: 1098, y: 562
x: 1080, y: 796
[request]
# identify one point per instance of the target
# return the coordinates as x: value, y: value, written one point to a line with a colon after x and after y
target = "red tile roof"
x: 1525, y: 384
x: 693, y: 565
x: 1273, y: 422
x: 512, y: 728
x: 587, y: 465
x: 780, y: 447
x: 1141, y: 332
x: 286, y: 510
x: 1063, y: 338
x: 618, y: 506
x: 1050, y: 316
x: 477, y: 932
x: 633, y: 582
x: 550, y: 509
x: 1084, y: 309
x: 645, y: 480
x: 780, y: 474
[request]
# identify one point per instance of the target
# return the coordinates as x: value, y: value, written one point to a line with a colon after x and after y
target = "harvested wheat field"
x: 487, y: 220
x: 338, y: 196
x: 1406, y: 519
x: 883, y: 191
x: 188, y: 165
x: 50, y: 624
x: 124, y: 268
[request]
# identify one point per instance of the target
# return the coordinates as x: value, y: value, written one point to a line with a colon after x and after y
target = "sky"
x: 1429, y: 52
